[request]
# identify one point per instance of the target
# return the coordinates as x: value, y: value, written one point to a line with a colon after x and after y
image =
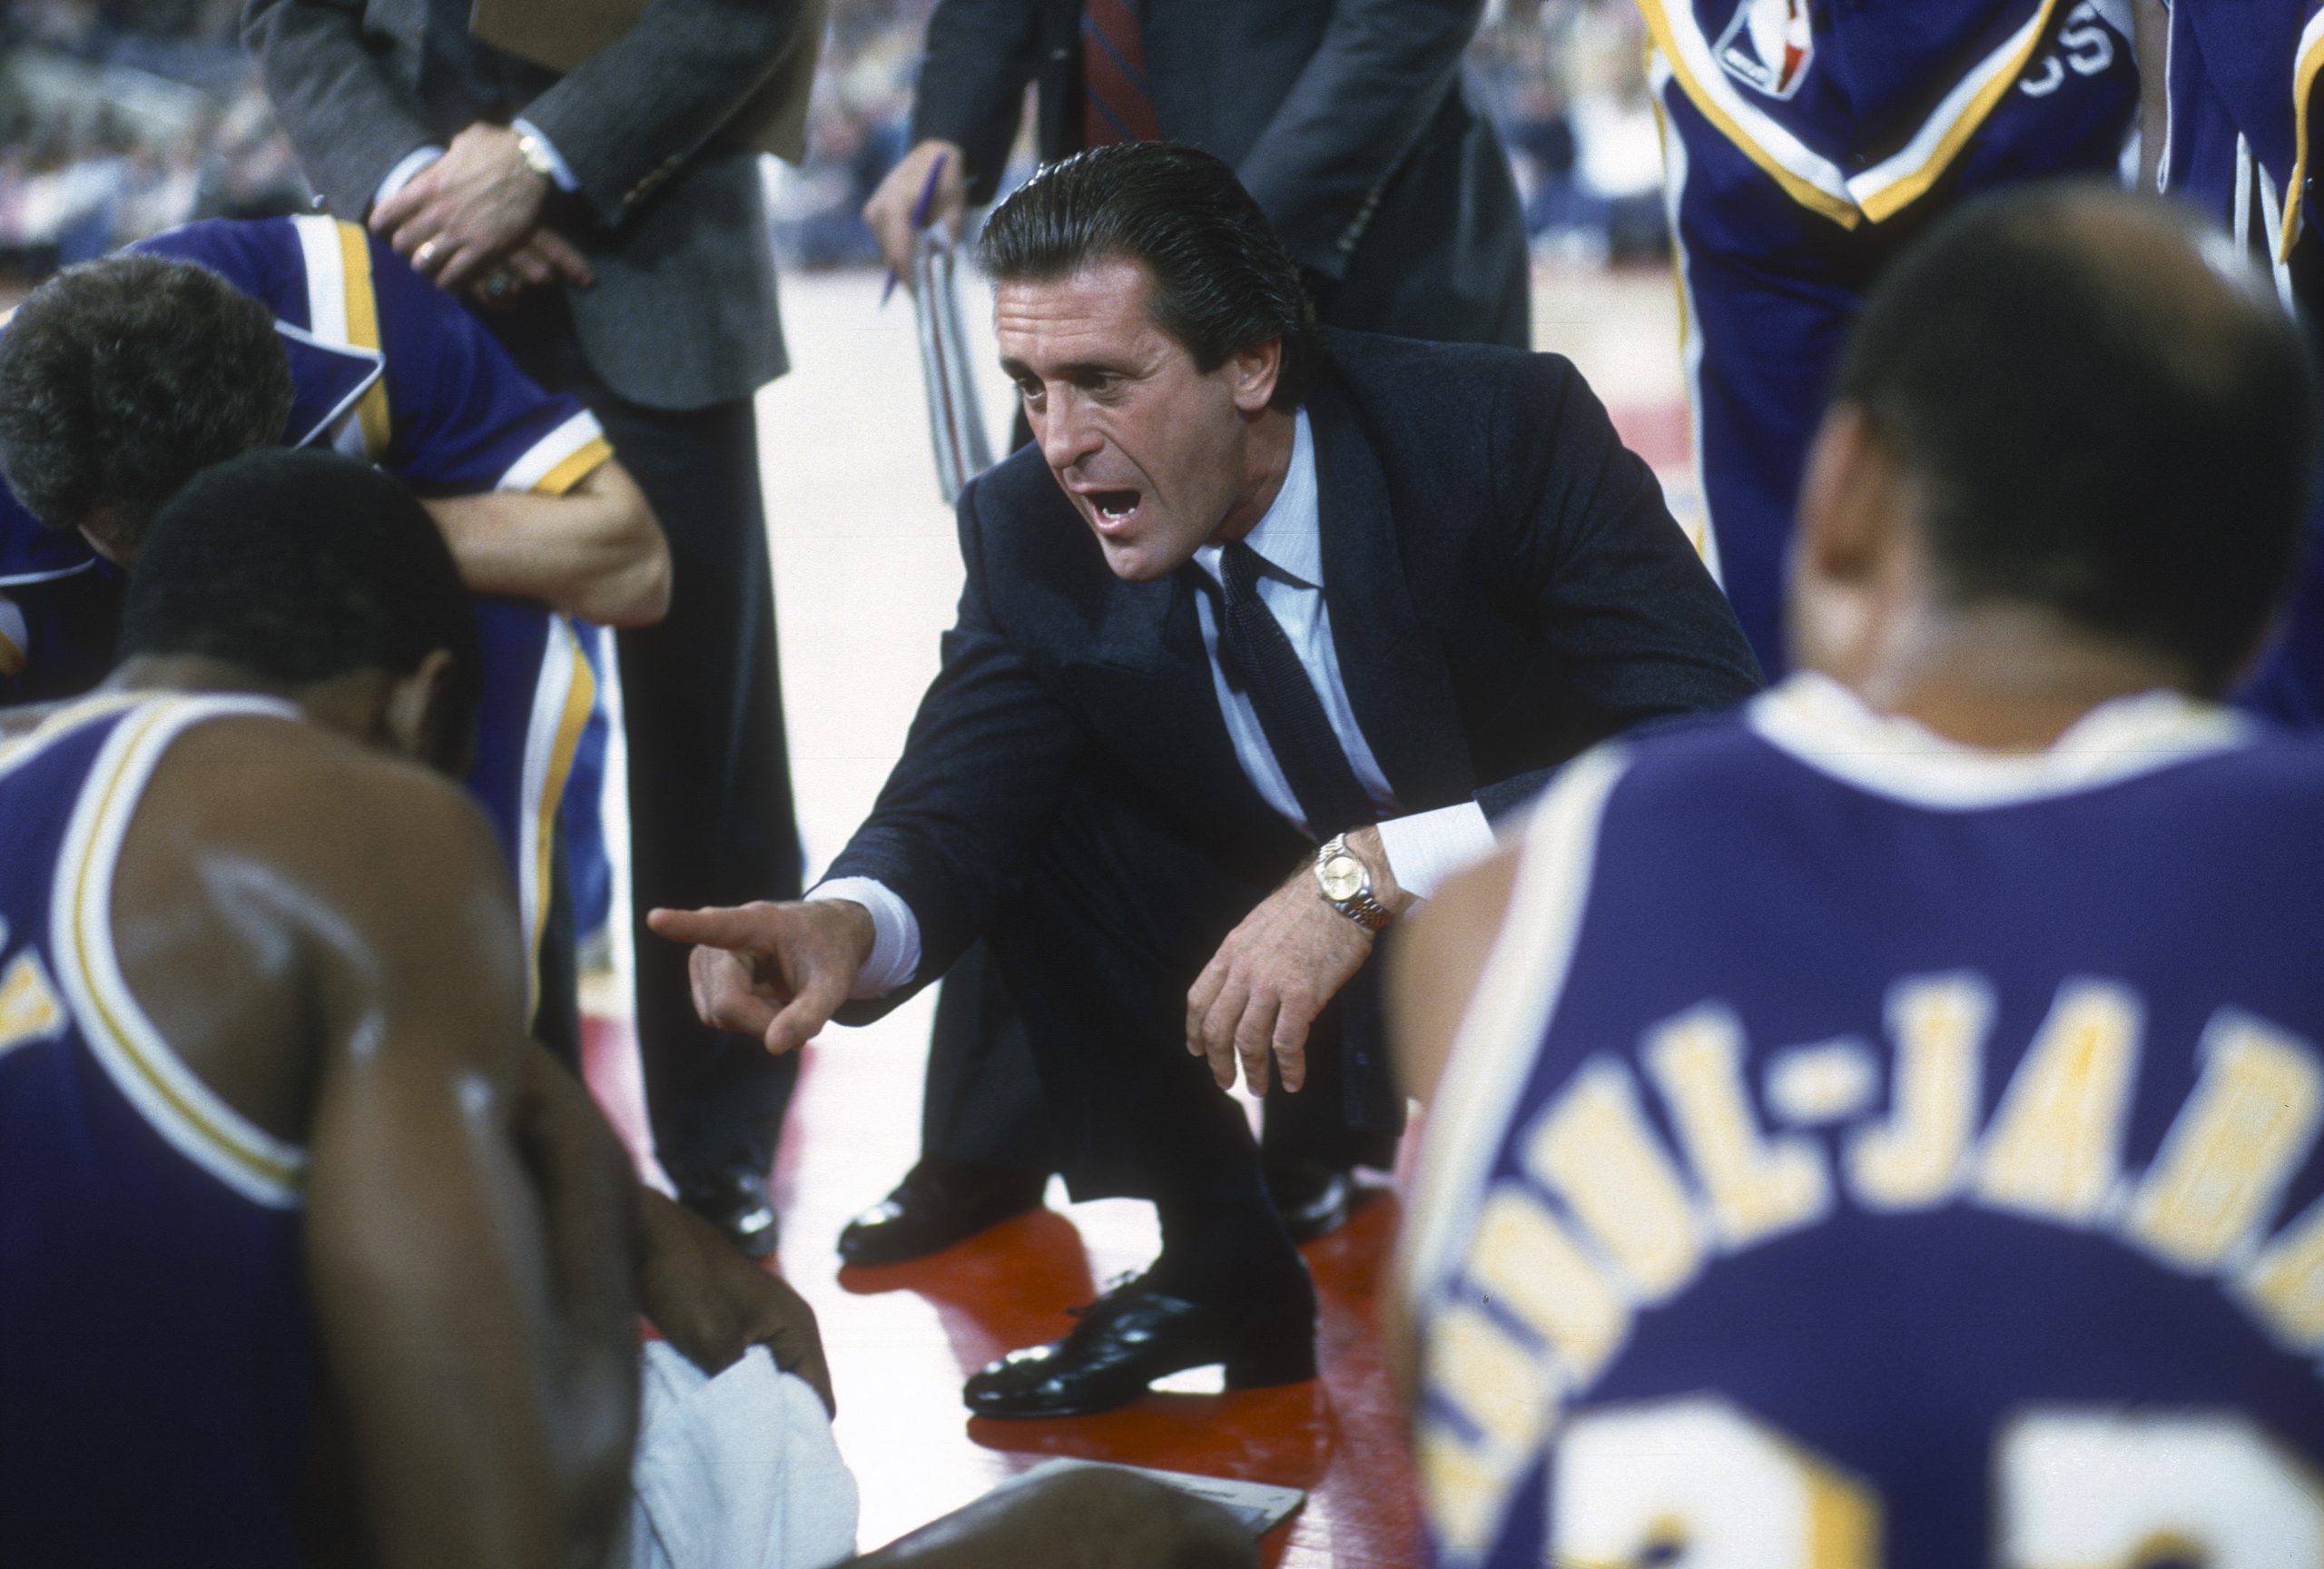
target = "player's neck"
x: 349, y: 704
x: 194, y: 673
x: 2003, y: 678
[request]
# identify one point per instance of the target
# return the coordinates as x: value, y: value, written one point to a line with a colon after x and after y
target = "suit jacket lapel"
x: 1152, y: 629
x: 1392, y: 662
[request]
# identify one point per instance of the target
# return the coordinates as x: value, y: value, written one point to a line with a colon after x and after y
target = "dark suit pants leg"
x: 982, y: 1105
x: 710, y: 816
x: 1098, y: 949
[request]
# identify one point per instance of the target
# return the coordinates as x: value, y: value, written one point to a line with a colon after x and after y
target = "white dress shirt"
x: 1423, y: 848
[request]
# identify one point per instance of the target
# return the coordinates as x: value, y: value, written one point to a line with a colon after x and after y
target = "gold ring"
x: 424, y: 254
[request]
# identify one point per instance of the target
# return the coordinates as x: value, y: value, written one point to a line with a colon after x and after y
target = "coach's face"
x: 1157, y: 454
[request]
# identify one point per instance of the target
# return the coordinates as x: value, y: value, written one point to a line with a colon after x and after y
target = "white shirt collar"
x: 1289, y: 538
x: 1828, y: 727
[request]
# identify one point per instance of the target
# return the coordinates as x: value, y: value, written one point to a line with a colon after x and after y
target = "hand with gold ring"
x: 458, y: 218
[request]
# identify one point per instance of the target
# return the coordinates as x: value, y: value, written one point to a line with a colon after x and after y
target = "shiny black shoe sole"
x: 1112, y: 1358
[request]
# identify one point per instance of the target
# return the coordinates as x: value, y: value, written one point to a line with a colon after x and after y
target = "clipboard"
x: 1259, y: 1506
x: 562, y: 34
x: 955, y: 410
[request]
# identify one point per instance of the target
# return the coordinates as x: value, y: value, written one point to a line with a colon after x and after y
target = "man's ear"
x: 1252, y: 374
x: 101, y: 527
x: 1848, y: 498
x: 417, y: 719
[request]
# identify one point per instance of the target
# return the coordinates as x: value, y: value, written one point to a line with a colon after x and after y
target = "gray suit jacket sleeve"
x: 631, y: 115
x: 347, y: 116
x: 625, y: 120
x: 980, y: 56
x: 1363, y: 99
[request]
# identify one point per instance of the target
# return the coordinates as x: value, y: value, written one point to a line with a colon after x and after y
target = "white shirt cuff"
x: 411, y: 164
x: 558, y: 169
x: 895, y: 943
x: 1428, y: 847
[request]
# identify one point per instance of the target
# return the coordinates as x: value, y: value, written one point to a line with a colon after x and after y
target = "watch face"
x: 1343, y: 878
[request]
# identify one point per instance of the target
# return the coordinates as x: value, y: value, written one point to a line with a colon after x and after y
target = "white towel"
x: 736, y: 1471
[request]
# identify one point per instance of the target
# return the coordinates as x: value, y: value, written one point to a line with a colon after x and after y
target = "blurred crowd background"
x: 118, y: 118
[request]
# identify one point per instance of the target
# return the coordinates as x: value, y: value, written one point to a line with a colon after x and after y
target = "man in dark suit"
x: 1351, y: 124
x: 1255, y: 587
x: 1348, y: 121
x: 611, y: 228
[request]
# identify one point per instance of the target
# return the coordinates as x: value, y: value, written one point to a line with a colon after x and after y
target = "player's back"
x: 156, y: 1370
x: 1867, y: 1151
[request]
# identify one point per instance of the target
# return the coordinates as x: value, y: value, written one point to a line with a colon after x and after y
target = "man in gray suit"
x: 609, y: 224
x: 1350, y: 122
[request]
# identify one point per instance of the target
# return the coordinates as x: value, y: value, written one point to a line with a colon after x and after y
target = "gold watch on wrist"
x: 535, y: 152
x: 1344, y: 881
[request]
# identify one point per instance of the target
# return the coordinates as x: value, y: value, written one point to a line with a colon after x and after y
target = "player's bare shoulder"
x: 267, y: 847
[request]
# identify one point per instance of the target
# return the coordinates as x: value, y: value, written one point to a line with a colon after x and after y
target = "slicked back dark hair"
x: 298, y: 567
x: 2110, y: 413
x: 1223, y: 283
x: 122, y: 378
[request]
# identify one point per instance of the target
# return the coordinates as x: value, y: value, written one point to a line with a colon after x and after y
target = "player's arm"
x: 521, y: 481
x: 1379, y: 74
x: 596, y: 551
x: 467, y: 1271
x: 1434, y: 964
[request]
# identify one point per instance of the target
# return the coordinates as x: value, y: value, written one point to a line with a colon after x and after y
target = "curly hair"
x: 122, y: 378
x: 298, y: 567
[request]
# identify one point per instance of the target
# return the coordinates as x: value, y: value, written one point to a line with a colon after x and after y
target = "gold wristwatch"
x: 1346, y: 884
x: 535, y: 152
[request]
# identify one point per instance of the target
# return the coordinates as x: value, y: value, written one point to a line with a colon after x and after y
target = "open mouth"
x: 1112, y: 506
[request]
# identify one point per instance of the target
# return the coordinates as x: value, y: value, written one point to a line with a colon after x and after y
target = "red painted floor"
x: 902, y: 1338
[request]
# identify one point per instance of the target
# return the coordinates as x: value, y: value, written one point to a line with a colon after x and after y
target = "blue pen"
x: 918, y: 216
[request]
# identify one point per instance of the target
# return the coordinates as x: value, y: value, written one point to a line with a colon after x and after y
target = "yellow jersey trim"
x: 174, y: 1102
x: 2000, y: 71
x: 574, y: 469
x: 2305, y: 65
x: 363, y: 332
x: 1800, y: 190
x: 1898, y: 181
x: 573, y: 717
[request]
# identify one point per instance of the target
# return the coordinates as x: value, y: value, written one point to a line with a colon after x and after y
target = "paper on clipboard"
x: 955, y: 411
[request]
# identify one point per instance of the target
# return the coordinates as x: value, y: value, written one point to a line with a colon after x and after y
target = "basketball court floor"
x: 866, y: 574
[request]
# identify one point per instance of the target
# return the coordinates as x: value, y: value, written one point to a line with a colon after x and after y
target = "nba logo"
x: 1768, y: 45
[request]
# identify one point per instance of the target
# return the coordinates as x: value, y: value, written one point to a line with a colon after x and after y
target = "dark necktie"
x: 1114, y: 104
x: 1290, y: 712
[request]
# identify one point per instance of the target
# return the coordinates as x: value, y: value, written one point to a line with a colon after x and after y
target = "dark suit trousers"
x: 1114, y: 922
x: 711, y: 816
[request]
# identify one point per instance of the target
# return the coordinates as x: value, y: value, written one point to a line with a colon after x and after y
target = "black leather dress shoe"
x: 735, y: 1202
x: 1132, y: 1336
x: 937, y: 1203
x: 1313, y: 1199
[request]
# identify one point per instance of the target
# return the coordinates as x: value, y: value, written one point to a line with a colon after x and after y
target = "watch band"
x: 1360, y: 906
